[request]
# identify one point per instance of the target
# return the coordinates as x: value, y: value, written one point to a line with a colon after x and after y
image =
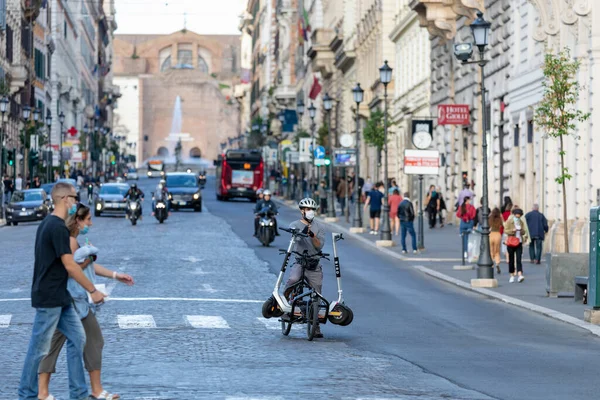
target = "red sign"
x: 454, y: 114
x: 72, y: 131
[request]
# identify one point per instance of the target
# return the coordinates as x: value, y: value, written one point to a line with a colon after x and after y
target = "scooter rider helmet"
x: 307, y: 202
x: 267, y: 193
x: 259, y: 192
x: 134, y: 185
x: 162, y: 182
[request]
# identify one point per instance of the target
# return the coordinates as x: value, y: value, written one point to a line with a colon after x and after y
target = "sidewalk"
x: 443, y: 251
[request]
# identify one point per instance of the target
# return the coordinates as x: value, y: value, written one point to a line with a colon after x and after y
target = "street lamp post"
x: 358, y: 94
x: 300, y: 182
x: 25, y: 114
x: 50, y: 161
x: 328, y: 105
x: 36, y: 118
x: 86, y: 132
x: 3, y: 108
x: 480, y: 29
x: 61, y: 119
x: 385, y: 75
x: 312, y: 112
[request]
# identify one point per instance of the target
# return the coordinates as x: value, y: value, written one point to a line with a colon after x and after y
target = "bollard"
x: 594, y: 275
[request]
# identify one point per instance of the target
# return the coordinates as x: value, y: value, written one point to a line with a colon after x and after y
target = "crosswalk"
x: 147, y: 321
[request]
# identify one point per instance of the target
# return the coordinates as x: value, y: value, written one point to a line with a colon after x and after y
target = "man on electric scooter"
x: 266, y: 202
x: 313, y: 245
x: 135, y: 194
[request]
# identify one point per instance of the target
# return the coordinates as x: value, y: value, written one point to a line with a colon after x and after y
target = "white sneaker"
x: 415, y: 252
x: 512, y: 279
x: 521, y: 278
x: 403, y: 251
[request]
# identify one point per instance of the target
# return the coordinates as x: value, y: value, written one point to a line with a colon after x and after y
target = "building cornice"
x: 401, y: 27
x: 440, y: 17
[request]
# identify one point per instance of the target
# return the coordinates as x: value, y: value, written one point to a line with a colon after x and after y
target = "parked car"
x: 184, y: 191
x: 111, y: 199
x: 27, y: 206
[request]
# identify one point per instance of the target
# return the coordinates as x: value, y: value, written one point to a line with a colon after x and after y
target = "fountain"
x: 175, y: 139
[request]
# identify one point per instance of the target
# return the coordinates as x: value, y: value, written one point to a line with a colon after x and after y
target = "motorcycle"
x: 266, y: 226
x: 134, y: 211
x: 202, y: 180
x: 160, y: 210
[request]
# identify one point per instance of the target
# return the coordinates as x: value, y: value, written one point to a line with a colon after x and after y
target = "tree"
x: 556, y: 113
x: 323, y: 136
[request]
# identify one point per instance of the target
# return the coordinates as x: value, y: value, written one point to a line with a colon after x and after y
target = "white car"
x: 132, y: 175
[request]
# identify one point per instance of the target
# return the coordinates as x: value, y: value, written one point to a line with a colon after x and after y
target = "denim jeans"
x: 46, y: 321
x: 465, y: 231
x: 410, y: 228
x: 535, y: 249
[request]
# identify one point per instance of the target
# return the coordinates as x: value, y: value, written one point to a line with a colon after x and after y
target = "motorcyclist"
x: 160, y: 194
x: 135, y: 194
x: 260, y: 205
x: 313, y: 245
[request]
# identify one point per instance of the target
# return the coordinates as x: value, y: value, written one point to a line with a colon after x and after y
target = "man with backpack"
x: 406, y: 214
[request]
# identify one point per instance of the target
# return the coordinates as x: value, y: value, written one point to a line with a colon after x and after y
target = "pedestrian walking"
x: 506, y: 212
x: 432, y: 206
x: 341, y: 193
x: 406, y: 214
x: 538, y: 227
x: 393, y: 186
x: 8, y: 188
x: 443, y: 208
x: 54, y: 308
x: 19, y: 182
x: 466, y: 213
x: 517, y: 234
x: 479, y: 215
x: 394, y: 201
x: 496, y: 222
x: 367, y: 187
x: 322, y: 198
x: 466, y: 192
x: 375, y: 202
x: 79, y: 223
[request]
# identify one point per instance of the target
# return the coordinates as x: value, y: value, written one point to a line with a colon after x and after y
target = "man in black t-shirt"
x: 53, y: 265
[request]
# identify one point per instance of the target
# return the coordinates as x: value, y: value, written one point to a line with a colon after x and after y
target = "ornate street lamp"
x: 385, y: 76
x: 328, y: 105
x: 25, y: 113
x: 4, y: 104
x: 36, y: 114
x: 300, y: 107
x: 50, y: 157
x: 358, y: 95
x: 480, y: 28
x: 312, y: 113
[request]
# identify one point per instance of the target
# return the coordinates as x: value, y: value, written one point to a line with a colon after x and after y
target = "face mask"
x: 73, y: 209
x: 85, y: 230
x: 309, y: 215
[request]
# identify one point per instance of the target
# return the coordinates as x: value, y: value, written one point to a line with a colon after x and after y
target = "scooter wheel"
x: 337, y: 319
x: 286, y: 327
x: 267, y: 308
x: 349, y: 318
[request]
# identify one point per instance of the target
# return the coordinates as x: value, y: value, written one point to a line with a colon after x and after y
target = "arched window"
x: 162, y: 151
x: 202, y: 65
x: 166, y: 64
x: 184, y: 59
x: 195, y: 153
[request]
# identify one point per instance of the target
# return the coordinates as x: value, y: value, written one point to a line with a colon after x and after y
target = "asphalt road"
x: 191, y: 326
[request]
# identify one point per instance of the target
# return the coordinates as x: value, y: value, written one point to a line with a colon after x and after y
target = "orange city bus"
x: 239, y: 173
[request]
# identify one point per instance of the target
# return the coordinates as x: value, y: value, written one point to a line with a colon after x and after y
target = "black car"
x: 111, y: 199
x: 27, y: 206
x: 184, y: 191
x: 47, y: 187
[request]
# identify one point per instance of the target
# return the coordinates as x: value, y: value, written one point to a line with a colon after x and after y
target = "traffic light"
x: 113, y: 160
x: 11, y: 158
x: 34, y: 156
x: 327, y: 156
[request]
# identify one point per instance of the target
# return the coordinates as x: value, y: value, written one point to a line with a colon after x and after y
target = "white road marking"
x: 5, y: 320
x: 192, y: 259
x: 275, y: 324
x: 207, y: 322
x: 253, y: 398
x: 160, y: 299
x: 199, y: 271
x: 136, y: 321
x: 207, y: 288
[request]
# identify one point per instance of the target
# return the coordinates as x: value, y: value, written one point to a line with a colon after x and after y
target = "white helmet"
x: 307, y: 202
x: 267, y: 192
x: 162, y: 182
x: 259, y: 191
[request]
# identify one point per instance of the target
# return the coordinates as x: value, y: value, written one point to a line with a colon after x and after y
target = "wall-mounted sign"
x: 305, y: 147
x: 454, y: 114
x: 421, y: 162
x: 344, y: 157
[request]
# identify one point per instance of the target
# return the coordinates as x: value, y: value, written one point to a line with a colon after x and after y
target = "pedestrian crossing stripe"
x: 207, y: 322
x: 5, y: 320
x: 136, y: 321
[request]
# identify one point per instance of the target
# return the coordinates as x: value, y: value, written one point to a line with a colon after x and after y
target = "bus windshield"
x: 156, y: 165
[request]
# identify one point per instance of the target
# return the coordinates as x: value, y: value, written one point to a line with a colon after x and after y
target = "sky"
x: 216, y: 17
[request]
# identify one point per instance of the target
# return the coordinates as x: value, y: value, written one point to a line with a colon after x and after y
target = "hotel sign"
x: 454, y: 114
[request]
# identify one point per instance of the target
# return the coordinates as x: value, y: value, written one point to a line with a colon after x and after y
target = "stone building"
x: 522, y: 163
x: 153, y: 70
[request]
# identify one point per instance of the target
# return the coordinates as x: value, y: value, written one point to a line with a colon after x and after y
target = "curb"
x: 593, y: 329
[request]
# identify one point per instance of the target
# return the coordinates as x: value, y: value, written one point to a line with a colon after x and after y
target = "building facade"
x: 182, y: 74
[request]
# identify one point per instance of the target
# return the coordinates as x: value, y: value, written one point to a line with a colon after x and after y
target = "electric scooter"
x: 308, y: 306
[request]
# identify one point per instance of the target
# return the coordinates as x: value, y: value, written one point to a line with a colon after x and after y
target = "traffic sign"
x: 320, y: 152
